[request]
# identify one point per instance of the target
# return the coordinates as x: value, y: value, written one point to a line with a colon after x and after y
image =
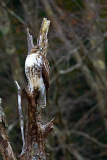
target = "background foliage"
x: 78, y: 75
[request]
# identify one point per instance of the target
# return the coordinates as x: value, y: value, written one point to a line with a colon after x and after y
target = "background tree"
x: 78, y: 60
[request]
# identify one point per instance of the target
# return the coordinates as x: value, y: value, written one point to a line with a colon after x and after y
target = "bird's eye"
x: 41, y: 49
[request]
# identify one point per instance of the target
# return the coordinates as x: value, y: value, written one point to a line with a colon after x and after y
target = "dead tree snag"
x: 36, y: 132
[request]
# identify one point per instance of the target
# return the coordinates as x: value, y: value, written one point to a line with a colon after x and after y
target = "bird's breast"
x: 33, y: 70
x: 33, y: 59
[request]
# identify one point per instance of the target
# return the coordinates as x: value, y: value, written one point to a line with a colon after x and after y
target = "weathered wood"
x: 21, y: 117
x: 30, y: 41
x: 5, y: 146
x: 36, y: 132
x: 42, y: 40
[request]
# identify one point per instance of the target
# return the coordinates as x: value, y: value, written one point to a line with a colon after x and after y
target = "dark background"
x: 78, y: 75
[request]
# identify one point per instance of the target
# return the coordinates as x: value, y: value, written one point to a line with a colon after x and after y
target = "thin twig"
x: 13, y: 13
x: 77, y: 66
x: 87, y: 136
x: 21, y: 116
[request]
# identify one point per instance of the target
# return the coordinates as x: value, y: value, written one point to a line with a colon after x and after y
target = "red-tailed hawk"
x: 37, y: 72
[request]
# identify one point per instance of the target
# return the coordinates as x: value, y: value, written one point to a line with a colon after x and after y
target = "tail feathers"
x: 42, y: 101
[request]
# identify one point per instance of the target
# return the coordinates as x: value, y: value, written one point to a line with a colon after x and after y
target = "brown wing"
x: 45, y: 72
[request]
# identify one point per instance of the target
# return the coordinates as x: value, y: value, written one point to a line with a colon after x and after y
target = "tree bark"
x: 5, y: 146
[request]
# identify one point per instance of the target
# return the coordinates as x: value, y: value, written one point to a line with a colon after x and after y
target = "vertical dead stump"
x: 36, y: 132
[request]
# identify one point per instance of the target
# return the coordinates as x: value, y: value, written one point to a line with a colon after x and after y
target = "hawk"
x: 37, y: 72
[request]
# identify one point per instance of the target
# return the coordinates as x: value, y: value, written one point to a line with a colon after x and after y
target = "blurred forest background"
x: 78, y: 75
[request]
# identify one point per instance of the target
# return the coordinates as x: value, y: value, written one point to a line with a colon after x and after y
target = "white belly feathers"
x: 35, y: 81
x: 32, y: 60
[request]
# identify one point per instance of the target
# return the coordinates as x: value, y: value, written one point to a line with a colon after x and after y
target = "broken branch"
x: 21, y: 116
x: 42, y: 40
x: 30, y: 41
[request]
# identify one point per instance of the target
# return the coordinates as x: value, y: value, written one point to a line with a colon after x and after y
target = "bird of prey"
x: 37, y: 72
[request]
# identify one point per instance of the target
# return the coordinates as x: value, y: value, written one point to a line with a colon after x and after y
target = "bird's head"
x: 36, y: 49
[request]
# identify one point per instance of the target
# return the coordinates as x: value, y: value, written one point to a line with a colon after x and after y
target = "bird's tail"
x: 42, y: 99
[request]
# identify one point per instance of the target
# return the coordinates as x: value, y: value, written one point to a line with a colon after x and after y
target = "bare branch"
x: 21, y: 116
x: 12, y: 13
x: 77, y: 66
x: 30, y: 41
x: 76, y: 154
x: 48, y: 127
x: 5, y: 146
x: 87, y: 136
